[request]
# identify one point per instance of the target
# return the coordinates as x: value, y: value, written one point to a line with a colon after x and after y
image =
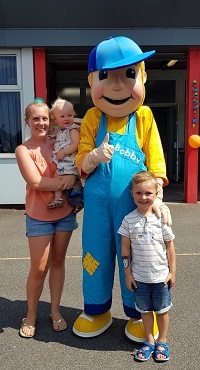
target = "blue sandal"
x: 146, y: 351
x: 165, y: 351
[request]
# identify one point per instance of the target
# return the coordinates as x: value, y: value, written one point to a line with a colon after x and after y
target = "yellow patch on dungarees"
x: 90, y: 264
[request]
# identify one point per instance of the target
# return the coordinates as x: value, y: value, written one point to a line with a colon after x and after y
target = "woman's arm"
x: 32, y: 176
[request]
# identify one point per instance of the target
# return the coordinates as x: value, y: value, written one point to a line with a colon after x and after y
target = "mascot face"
x: 118, y: 92
x: 116, y: 76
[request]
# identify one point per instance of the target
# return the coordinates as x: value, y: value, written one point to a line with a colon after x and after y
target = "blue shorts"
x: 39, y: 228
x: 152, y: 297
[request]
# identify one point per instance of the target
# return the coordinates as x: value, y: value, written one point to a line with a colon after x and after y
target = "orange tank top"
x: 36, y: 201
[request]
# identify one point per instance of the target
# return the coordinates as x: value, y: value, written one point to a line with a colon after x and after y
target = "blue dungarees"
x: 107, y: 200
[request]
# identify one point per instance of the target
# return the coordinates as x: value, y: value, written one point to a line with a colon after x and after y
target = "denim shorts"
x: 39, y: 228
x: 152, y: 297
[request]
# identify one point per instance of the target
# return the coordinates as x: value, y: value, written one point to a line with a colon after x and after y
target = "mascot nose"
x: 194, y: 141
x: 117, y: 82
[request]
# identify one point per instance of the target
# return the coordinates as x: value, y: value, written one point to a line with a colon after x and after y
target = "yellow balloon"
x: 194, y: 141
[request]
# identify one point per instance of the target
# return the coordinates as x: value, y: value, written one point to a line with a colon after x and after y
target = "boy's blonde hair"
x: 143, y: 176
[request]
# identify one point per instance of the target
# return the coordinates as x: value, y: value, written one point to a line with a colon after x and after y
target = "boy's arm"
x: 125, y: 254
x: 171, y: 256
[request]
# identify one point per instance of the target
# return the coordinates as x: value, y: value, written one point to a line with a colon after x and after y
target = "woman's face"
x: 38, y: 121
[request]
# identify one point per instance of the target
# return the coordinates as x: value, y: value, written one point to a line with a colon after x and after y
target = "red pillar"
x: 40, y: 73
x: 192, y: 125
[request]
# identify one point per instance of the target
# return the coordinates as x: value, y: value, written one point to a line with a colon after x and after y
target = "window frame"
x: 12, y: 88
x: 18, y: 86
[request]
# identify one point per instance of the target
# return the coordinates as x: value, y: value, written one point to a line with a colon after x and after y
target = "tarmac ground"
x: 111, y: 350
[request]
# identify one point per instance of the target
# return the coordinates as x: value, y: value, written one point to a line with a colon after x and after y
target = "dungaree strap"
x: 130, y: 127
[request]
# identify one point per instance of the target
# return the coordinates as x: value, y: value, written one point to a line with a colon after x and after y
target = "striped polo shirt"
x: 148, y: 251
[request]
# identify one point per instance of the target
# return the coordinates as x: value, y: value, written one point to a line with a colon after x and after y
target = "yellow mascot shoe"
x: 135, y: 330
x: 88, y: 326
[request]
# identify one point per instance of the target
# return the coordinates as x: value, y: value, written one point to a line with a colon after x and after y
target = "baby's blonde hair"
x: 143, y: 176
x: 59, y: 102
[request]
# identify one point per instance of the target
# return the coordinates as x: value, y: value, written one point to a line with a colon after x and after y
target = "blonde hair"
x: 59, y: 102
x: 35, y: 104
x: 143, y: 176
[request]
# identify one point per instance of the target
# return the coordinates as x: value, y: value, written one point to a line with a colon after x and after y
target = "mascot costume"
x: 119, y: 137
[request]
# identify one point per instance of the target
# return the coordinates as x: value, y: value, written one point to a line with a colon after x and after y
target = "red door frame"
x: 192, y: 113
x: 192, y: 125
x: 39, y: 58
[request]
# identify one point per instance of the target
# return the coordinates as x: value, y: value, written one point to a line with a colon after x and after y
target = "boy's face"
x: 118, y: 92
x: 144, y: 194
x: 64, y: 116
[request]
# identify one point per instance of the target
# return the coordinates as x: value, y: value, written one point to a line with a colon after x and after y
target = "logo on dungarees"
x: 127, y: 153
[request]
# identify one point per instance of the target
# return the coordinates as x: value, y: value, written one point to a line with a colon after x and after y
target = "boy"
x: 148, y: 257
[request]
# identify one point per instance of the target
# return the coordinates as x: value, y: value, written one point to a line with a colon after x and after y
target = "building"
x: 44, y: 48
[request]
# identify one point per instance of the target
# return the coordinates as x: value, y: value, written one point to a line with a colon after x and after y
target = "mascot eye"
x: 103, y: 74
x: 130, y: 73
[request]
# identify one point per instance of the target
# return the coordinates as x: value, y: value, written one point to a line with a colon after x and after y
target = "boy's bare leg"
x: 163, y: 325
x: 148, y: 320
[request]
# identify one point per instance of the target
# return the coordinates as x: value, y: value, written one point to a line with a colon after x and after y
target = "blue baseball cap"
x: 116, y: 52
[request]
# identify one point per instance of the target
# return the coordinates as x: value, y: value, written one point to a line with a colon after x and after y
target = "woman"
x: 48, y: 230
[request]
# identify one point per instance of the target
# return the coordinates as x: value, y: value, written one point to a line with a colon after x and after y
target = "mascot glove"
x: 161, y: 209
x: 160, y: 188
x: 98, y: 155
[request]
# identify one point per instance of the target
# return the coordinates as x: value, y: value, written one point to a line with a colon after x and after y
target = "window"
x: 10, y: 102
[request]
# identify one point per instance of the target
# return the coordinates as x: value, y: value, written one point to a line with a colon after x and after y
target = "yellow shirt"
x: 146, y: 132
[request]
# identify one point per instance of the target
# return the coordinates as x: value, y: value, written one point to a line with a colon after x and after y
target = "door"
x: 166, y: 119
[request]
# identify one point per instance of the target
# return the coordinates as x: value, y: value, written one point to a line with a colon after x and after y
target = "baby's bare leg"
x: 57, y: 193
x: 57, y: 200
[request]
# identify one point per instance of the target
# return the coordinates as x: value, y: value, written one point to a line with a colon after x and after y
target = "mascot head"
x: 117, y: 76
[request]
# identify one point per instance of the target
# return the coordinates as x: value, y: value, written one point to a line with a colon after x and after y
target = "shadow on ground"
x: 14, y: 311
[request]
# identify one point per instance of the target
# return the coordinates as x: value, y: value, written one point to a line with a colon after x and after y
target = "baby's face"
x: 64, y: 116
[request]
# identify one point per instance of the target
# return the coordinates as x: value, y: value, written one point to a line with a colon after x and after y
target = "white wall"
x: 12, y: 185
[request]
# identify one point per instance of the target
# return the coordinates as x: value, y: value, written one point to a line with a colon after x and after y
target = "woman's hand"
x: 67, y: 182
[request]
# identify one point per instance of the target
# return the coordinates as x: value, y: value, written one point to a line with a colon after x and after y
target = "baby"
x: 65, y: 149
